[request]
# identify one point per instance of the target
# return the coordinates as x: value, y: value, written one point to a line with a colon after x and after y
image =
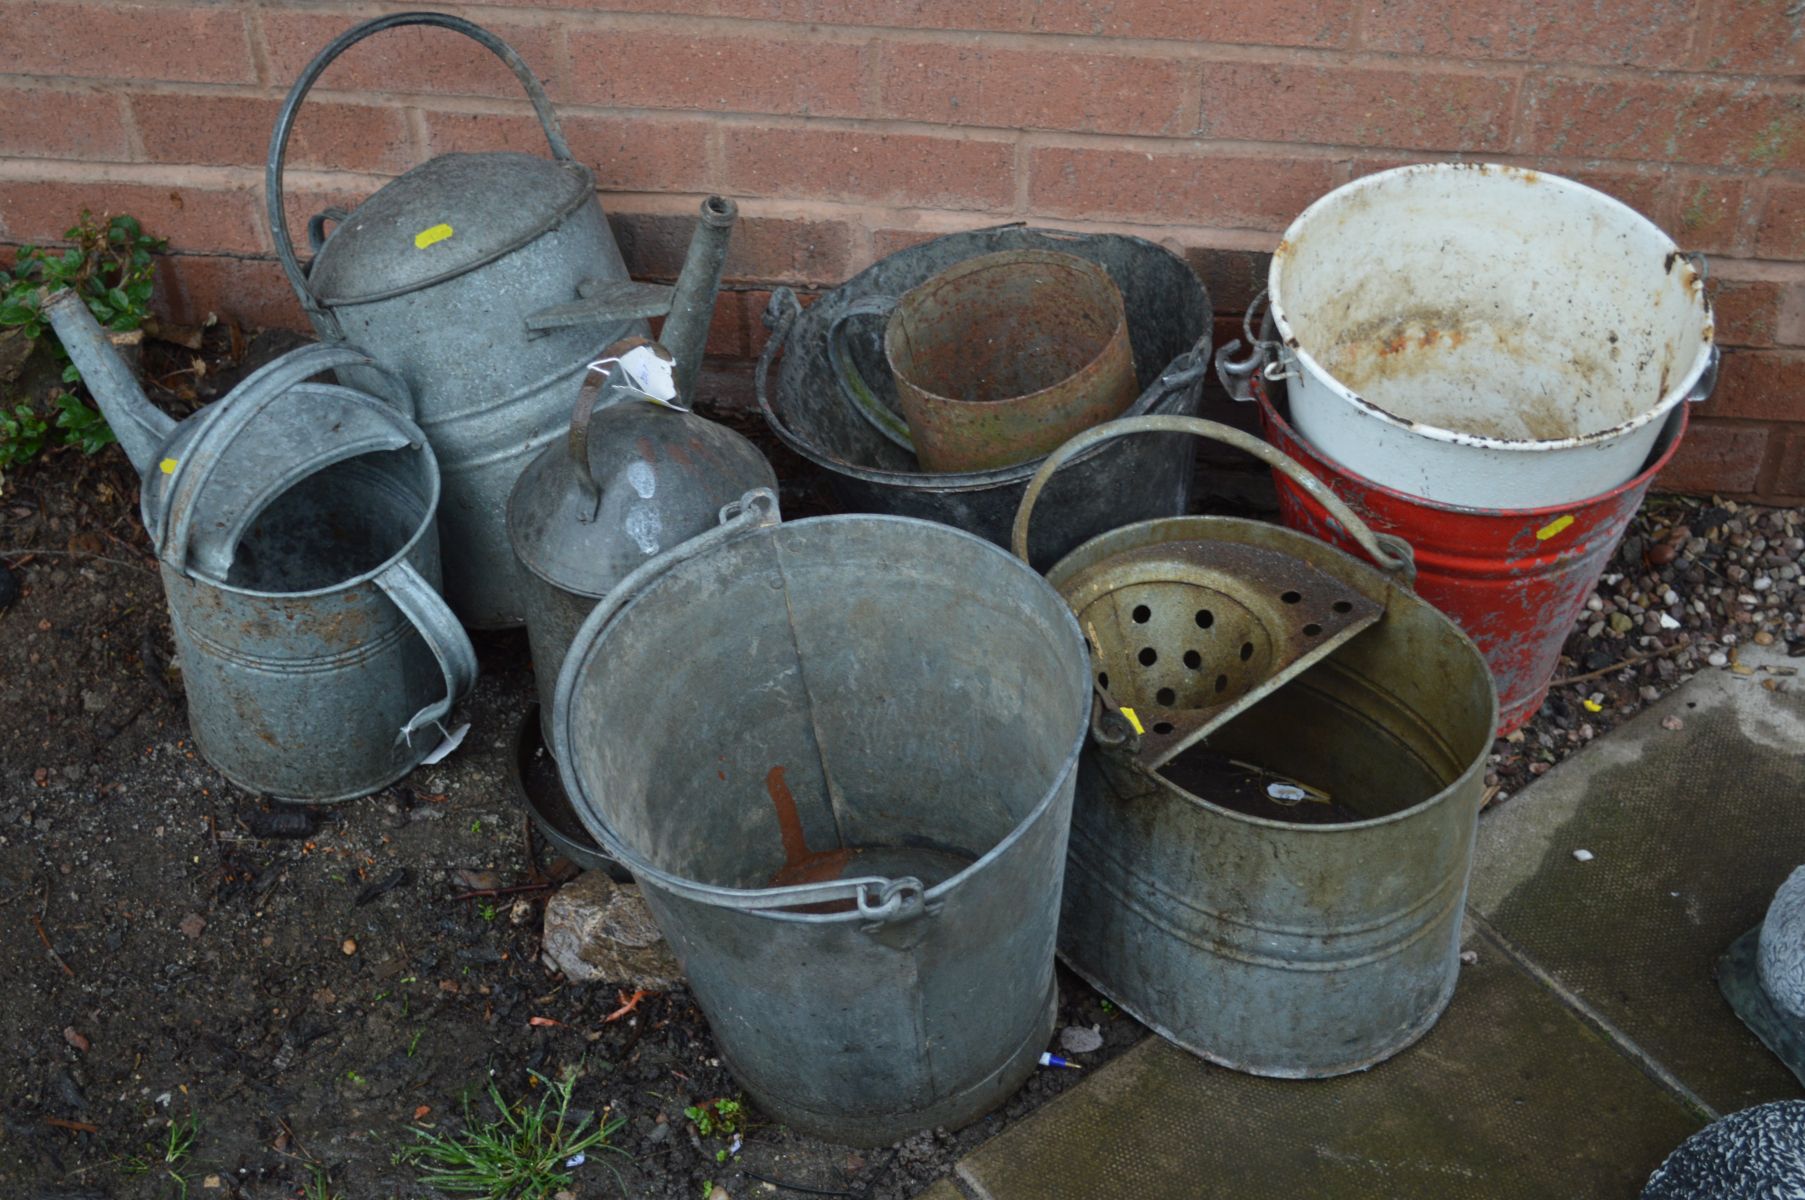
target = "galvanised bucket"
x: 1272, y: 945
x: 849, y: 815
x: 1514, y: 579
x: 998, y: 359
x: 1169, y: 319
x: 293, y: 524
x: 488, y: 282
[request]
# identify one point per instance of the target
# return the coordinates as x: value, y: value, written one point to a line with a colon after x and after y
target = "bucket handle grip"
x: 851, y: 382
x: 285, y: 122
x: 422, y: 605
x: 1392, y: 554
x: 173, y: 525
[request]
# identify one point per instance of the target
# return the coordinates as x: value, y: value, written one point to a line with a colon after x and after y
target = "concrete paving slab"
x: 946, y: 1189
x: 1510, y: 1096
x: 1691, y: 830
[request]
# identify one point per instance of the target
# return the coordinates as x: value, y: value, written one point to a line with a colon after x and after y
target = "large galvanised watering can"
x: 293, y: 524
x: 488, y: 282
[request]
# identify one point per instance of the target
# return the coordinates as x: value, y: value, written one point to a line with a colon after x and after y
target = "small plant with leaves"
x: 167, y: 1154
x: 111, y: 268
x: 319, y: 1185
x: 526, y: 1154
x: 22, y: 434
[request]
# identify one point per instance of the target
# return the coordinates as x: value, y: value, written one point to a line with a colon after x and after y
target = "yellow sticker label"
x: 1592, y: 705
x: 168, y: 465
x: 431, y: 237
x: 1553, y: 527
x: 1132, y: 719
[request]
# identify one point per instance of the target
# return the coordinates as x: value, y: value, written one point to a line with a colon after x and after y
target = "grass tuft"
x: 520, y: 1156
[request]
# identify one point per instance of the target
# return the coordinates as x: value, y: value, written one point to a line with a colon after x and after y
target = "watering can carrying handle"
x: 595, y: 381
x: 1392, y: 554
x: 285, y: 121
x: 444, y: 635
x: 852, y: 383
x: 174, y: 522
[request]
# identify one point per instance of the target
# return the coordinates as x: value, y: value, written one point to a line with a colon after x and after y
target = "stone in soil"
x: 597, y: 930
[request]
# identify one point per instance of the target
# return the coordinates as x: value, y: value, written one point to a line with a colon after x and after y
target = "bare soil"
x: 162, y: 960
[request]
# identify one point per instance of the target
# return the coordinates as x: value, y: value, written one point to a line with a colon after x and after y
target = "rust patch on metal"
x: 1001, y: 358
x: 800, y: 864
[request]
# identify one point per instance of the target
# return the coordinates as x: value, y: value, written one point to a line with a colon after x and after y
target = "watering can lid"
x: 447, y: 216
x: 235, y: 457
x: 664, y: 476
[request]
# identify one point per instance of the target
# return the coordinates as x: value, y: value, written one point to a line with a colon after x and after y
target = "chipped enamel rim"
x: 1289, y: 349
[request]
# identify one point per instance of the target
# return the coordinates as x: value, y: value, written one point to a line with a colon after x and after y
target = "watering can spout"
x: 685, y: 331
x: 140, y: 426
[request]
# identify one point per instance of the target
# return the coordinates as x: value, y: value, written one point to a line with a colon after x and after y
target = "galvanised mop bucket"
x: 1168, y: 327
x: 293, y: 523
x: 838, y: 756
x: 1514, y: 579
x: 1275, y: 814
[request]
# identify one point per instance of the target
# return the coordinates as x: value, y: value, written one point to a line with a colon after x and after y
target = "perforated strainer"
x: 1185, y: 634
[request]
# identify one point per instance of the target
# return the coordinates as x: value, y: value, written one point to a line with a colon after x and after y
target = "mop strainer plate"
x: 1184, y: 635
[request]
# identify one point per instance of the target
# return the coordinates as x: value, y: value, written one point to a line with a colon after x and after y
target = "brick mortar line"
x: 464, y: 105
x: 1741, y: 268
x: 1625, y: 1045
x: 813, y: 30
x: 562, y: 21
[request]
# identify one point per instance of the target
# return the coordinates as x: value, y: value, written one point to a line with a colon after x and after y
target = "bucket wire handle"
x: 444, y: 635
x: 853, y: 386
x: 879, y: 900
x: 200, y: 458
x: 1392, y: 554
x: 285, y: 121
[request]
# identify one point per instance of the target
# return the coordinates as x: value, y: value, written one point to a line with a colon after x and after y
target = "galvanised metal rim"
x: 1185, y: 526
x: 1179, y: 376
x: 627, y: 595
x: 420, y: 531
x: 1263, y: 395
x: 1289, y: 345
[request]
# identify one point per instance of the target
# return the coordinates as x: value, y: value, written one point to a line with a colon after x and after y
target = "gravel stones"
x: 1692, y: 583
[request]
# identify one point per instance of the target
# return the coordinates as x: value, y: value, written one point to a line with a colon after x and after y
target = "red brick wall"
x: 849, y: 128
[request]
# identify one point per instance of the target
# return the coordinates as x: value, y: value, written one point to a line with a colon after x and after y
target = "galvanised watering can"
x: 488, y: 282
x: 632, y: 478
x: 293, y: 524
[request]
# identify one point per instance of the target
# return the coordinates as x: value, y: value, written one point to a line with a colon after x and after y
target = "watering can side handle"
x: 595, y: 381
x: 422, y: 605
x: 1392, y: 554
x: 851, y: 382
x: 285, y: 120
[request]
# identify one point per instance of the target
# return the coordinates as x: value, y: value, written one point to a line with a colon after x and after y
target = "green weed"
x: 522, y: 1156
x: 168, y: 1153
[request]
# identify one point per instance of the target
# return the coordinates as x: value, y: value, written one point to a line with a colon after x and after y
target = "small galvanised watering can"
x: 293, y: 523
x: 633, y: 478
x: 488, y: 282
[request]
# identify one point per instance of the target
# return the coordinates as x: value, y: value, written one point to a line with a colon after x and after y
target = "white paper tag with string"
x: 443, y: 750
x: 648, y: 375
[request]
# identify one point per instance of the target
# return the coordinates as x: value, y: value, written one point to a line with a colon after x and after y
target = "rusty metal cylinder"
x: 1513, y: 579
x: 1000, y: 358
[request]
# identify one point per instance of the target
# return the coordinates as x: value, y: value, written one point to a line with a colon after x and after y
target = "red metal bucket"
x: 1514, y: 579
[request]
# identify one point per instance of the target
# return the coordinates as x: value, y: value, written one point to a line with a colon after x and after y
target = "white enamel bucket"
x: 1484, y: 335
